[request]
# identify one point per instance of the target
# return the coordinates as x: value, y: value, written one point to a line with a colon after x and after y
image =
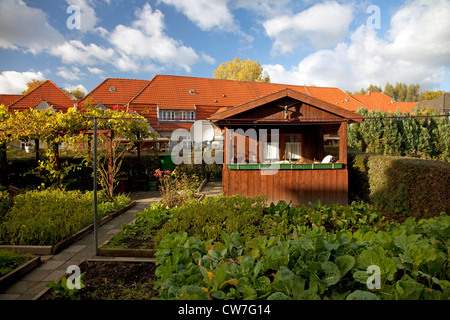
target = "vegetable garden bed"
x: 39, y: 224
x: 282, y: 252
x: 58, y: 247
x: 109, y: 280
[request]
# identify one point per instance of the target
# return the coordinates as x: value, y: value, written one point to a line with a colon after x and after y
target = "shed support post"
x: 343, y: 143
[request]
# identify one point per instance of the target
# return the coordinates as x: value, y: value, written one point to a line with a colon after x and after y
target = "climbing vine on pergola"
x: 73, y: 129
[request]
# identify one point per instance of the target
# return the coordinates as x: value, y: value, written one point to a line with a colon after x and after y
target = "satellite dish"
x: 202, y: 131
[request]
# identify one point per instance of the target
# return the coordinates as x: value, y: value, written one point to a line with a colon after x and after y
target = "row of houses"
x: 289, y: 163
x: 175, y: 102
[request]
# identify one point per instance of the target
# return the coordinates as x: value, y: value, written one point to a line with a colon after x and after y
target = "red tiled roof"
x: 48, y: 92
x: 188, y: 93
x: 125, y: 90
x: 378, y: 101
x: 9, y: 99
x: 207, y: 96
x: 405, y: 106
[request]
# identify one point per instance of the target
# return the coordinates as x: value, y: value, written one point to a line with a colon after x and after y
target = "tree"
x: 33, y: 84
x: 402, y: 91
x: 390, y: 91
x: 240, y: 70
x: 430, y: 95
x: 77, y: 93
x: 413, y: 93
x: 374, y: 88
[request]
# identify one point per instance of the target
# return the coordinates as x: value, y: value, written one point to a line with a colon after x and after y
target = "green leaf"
x: 361, y: 276
x: 362, y: 295
x: 193, y: 293
x: 345, y: 263
x: 298, y: 287
x: 219, y: 294
x: 284, y: 280
x: 332, y: 273
x: 278, y: 296
x: 367, y: 258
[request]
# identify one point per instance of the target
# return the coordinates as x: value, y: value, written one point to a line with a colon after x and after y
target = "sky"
x: 344, y: 43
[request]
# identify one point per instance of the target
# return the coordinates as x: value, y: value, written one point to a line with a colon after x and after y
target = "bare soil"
x: 114, y: 281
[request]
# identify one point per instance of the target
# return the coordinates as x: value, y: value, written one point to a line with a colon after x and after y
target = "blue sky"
x: 345, y: 44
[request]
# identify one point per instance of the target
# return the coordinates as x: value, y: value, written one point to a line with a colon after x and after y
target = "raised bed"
x: 126, y: 279
x: 119, y: 252
x: 19, y: 272
x: 52, y: 250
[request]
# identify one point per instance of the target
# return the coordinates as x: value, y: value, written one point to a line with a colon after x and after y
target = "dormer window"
x: 176, y: 115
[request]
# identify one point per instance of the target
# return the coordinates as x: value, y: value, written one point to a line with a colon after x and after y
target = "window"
x: 172, y: 115
x: 271, y: 151
x: 293, y: 150
x: 292, y: 147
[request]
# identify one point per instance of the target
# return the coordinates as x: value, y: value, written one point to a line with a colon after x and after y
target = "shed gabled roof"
x: 116, y: 91
x: 290, y: 93
x: 48, y: 92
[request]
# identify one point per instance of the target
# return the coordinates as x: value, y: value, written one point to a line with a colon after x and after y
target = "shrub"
x: 405, y: 186
x: 415, y: 187
x: 5, y: 202
x: 175, y: 187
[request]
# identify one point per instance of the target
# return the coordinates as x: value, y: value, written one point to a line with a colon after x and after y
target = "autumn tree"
x: 77, y: 93
x: 389, y: 90
x: 240, y: 70
x: 430, y: 95
x: 33, y: 84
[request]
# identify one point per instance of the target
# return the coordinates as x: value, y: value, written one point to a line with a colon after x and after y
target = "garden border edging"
x: 19, y: 272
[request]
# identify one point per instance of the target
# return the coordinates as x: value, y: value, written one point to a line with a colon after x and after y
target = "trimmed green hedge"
x: 411, y: 187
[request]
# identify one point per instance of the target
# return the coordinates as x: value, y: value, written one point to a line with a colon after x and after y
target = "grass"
x: 10, y: 260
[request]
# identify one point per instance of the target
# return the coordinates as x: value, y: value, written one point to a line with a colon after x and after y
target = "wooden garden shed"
x: 274, y: 146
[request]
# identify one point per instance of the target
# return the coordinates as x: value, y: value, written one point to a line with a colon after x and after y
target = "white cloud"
x: 13, y: 82
x: 75, y: 52
x: 322, y: 25
x: 96, y: 71
x: 25, y: 28
x: 88, y: 17
x: 146, y: 42
x: 416, y: 51
x: 266, y: 8
x: 73, y: 73
x: 206, y: 14
x: 420, y: 32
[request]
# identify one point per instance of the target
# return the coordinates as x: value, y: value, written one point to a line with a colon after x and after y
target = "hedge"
x: 405, y: 186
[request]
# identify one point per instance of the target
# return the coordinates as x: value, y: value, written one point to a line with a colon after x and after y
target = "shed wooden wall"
x: 300, y: 186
